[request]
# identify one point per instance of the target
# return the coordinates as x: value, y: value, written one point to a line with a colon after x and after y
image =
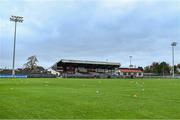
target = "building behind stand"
x: 131, y: 73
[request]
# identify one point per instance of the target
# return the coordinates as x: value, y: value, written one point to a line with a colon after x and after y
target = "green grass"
x: 89, y: 98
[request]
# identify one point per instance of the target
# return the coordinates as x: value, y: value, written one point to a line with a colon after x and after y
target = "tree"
x: 140, y: 68
x: 165, y: 68
x: 147, y: 69
x: 160, y: 68
x: 178, y: 68
x: 31, y: 62
x: 178, y: 65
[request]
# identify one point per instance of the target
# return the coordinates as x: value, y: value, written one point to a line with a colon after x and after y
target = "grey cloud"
x: 83, y: 33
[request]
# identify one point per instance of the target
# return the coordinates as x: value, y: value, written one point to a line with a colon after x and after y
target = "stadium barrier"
x: 170, y: 76
x: 90, y: 75
x: 11, y: 76
x: 41, y: 76
x: 29, y: 76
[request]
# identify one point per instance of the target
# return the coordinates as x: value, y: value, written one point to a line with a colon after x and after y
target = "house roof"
x: 130, y: 70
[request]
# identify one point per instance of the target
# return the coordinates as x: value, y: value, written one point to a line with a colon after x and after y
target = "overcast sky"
x: 90, y: 30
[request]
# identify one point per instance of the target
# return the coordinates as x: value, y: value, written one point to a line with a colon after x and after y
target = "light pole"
x: 163, y: 68
x: 173, y: 44
x: 130, y: 60
x: 15, y: 19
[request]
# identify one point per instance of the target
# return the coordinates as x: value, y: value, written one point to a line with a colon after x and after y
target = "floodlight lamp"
x: 173, y: 43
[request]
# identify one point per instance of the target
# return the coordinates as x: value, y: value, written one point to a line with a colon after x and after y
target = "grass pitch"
x: 89, y: 98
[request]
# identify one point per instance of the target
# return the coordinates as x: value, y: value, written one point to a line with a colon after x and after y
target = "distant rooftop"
x: 130, y: 70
